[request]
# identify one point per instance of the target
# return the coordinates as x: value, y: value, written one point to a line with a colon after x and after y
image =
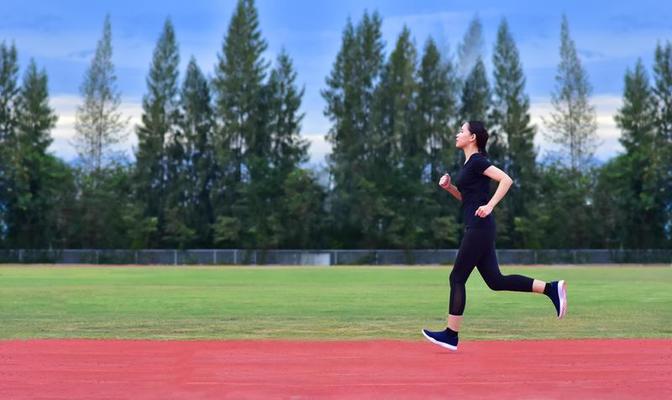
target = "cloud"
x: 606, y: 106
x: 315, y: 129
x: 319, y: 147
x: 63, y: 134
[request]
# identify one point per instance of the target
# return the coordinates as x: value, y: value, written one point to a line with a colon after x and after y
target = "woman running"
x: 478, y: 244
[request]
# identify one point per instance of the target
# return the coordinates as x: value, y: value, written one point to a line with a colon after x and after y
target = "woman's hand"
x: 483, y: 211
x: 444, y: 182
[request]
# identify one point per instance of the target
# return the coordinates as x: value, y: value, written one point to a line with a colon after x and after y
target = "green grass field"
x: 331, y: 303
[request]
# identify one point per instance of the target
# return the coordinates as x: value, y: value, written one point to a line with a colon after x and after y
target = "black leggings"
x: 478, y: 250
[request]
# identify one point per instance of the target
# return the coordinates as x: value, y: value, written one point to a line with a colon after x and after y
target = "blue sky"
x: 61, y: 36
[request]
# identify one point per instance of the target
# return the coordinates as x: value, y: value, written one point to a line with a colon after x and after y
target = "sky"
x: 61, y: 37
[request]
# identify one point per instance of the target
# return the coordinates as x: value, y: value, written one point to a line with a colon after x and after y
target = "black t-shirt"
x: 475, y: 190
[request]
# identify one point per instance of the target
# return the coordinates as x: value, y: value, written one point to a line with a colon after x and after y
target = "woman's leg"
x: 466, y: 260
x: 489, y: 270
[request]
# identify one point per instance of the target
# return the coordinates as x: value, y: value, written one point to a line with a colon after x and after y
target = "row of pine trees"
x: 220, y: 162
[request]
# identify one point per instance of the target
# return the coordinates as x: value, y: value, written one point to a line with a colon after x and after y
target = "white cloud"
x: 315, y: 129
x: 319, y: 147
x: 63, y: 134
x: 608, y: 133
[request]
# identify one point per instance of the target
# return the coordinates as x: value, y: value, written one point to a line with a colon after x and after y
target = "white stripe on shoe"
x: 562, y: 295
x: 445, y: 345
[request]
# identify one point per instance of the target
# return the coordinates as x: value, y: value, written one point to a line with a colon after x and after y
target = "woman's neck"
x: 468, y: 152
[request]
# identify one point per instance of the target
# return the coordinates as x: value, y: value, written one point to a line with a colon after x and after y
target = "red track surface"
x: 552, y: 369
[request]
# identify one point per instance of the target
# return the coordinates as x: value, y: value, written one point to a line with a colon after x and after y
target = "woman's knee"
x: 456, y: 279
x: 495, y: 282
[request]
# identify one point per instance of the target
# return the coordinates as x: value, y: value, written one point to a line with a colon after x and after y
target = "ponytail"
x: 478, y: 128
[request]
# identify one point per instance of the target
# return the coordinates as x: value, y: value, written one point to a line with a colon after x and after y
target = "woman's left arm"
x: 505, y: 183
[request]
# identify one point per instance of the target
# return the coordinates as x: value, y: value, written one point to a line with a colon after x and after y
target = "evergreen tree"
x: 398, y: 152
x: 475, y: 102
x: 436, y: 107
x: 288, y: 149
x: 355, y: 201
x: 242, y: 140
x: 103, y: 211
x: 9, y: 91
x: 99, y: 124
x: 572, y: 124
x: 158, y: 160
x: 301, y: 197
x: 661, y: 156
x: 31, y: 209
x: 9, y: 95
x: 197, y: 123
x: 625, y: 198
x: 512, y: 135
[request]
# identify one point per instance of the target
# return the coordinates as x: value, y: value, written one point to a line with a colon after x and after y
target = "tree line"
x: 220, y: 162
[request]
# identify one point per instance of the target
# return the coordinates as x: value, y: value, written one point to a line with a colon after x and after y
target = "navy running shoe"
x: 558, y: 295
x: 442, y: 338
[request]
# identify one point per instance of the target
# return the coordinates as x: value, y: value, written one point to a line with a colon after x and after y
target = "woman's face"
x: 464, y: 137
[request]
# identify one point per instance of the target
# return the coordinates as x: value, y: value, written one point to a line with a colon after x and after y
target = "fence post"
x: 214, y: 257
x: 175, y: 257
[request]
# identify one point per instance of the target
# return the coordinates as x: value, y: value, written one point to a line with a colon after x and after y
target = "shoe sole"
x: 562, y: 295
x: 444, y: 345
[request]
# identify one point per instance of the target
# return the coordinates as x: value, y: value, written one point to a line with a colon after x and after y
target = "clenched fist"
x: 444, y: 182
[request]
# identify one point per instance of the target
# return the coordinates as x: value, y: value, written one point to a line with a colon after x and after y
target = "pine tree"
x: 243, y: 143
x: 661, y: 157
x: 302, y: 200
x: 31, y: 208
x: 238, y: 85
x: 9, y: 95
x: 288, y: 149
x: 301, y: 197
x: 99, y: 124
x: 158, y: 161
x: 512, y: 135
x: 436, y: 109
x: 9, y: 91
x: 398, y: 153
x: 354, y: 201
x: 197, y: 123
x: 435, y: 112
x: 631, y: 209
x: 572, y: 124
x: 475, y: 101
x: 637, y: 117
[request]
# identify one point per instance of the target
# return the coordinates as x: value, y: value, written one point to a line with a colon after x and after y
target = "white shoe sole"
x: 444, y: 345
x: 562, y: 295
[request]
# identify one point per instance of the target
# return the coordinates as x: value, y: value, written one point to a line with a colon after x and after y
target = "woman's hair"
x: 477, y: 128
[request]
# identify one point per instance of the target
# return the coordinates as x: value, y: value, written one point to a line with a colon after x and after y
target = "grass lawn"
x: 322, y: 303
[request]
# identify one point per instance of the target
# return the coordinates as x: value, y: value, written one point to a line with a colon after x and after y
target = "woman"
x: 478, y: 244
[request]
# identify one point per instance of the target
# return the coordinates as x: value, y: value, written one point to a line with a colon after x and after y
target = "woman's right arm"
x: 446, y: 185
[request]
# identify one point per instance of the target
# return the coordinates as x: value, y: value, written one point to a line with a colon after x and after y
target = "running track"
x: 551, y: 369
